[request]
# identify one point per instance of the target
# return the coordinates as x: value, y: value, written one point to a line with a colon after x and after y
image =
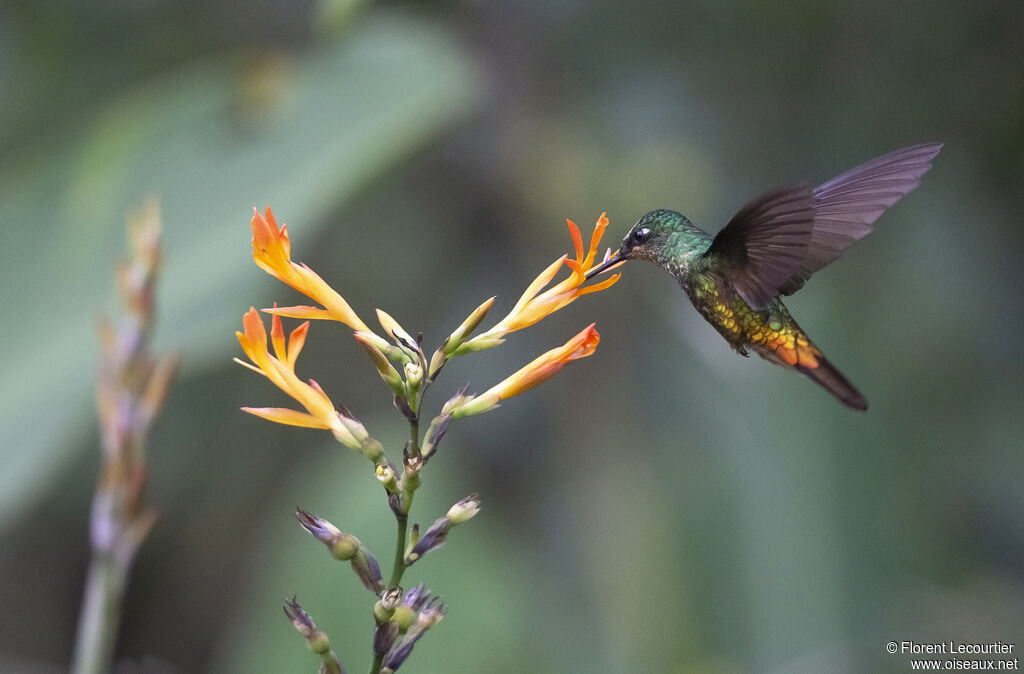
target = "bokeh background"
x: 662, y: 506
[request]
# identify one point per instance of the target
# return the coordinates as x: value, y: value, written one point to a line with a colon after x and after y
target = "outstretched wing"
x: 846, y: 206
x: 765, y: 244
x: 774, y: 244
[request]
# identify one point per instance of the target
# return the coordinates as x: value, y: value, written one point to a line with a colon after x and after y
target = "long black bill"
x: 607, y: 264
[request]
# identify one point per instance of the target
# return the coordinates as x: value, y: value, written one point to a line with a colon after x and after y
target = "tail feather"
x: 832, y: 380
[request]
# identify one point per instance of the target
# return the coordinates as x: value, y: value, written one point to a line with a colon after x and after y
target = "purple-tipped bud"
x: 300, y: 619
x: 316, y: 640
x: 402, y: 405
x: 427, y: 611
x: 399, y: 655
x: 459, y: 398
x: 368, y: 570
x: 384, y: 637
x: 407, y: 614
x: 416, y: 597
x: 341, y: 546
x: 432, y: 613
x: 432, y: 538
x: 438, y: 427
x: 464, y: 510
x: 395, y: 503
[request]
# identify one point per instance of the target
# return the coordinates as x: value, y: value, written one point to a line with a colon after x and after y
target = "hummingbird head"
x: 647, y: 239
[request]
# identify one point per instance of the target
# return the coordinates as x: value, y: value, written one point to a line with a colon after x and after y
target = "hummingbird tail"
x: 832, y: 380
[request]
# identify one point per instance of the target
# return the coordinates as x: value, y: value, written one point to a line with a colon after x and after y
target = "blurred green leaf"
x: 301, y: 133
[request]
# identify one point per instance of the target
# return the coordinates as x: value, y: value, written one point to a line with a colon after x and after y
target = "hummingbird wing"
x: 765, y: 244
x: 846, y: 206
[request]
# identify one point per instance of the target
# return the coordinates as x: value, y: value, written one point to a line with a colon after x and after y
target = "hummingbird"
x: 736, y: 278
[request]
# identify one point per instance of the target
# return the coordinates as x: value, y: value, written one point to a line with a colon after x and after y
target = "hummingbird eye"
x: 641, y: 235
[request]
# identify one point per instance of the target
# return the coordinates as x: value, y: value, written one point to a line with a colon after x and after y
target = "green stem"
x: 398, y: 568
x: 376, y: 665
x: 100, y: 617
x: 414, y: 435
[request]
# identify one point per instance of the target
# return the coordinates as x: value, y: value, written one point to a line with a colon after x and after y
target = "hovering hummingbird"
x: 769, y: 249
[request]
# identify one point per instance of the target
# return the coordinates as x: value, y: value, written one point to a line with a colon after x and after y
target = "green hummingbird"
x: 736, y: 278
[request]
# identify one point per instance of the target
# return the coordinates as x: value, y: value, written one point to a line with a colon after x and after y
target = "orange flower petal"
x: 607, y: 283
x: 577, y: 238
x: 277, y: 338
x: 314, y: 313
x: 283, y: 415
x: 255, y: 333
x: 295, y: 343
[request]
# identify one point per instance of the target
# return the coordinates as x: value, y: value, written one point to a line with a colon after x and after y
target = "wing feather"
x: 846, y: 206
x: 765, y: 243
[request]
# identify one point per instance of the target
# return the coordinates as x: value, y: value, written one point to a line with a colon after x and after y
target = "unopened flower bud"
x: 402, y: 338
x: 402, y: 405
x: 468, y: 326
x: 437, y: 361
x: 373, y: 450
x: 475, y: 405
x: 400, y: 654
x: 407, y: 613
x: 384, y: 637
x: 432, y: 539
x: 456, y: 400
x: 300, y: 619
x: 463, y: 510
x: 316, y: 640
x: 478, y: 344
x: 341, y: 546
x: 435, y: 432
x: 393, y: 353
x: 368, y: 570
x: 387, y: 371
x: 352, y: 424
x: 414, y: 538
x: 432, y: 613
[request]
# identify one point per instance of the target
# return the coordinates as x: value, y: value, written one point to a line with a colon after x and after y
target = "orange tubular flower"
x: 271, y: 249
x: 320, y: 412
x: 535, y: 305
x: 537, y: 372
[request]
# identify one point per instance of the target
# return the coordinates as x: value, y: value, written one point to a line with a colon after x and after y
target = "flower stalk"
x: 400, y: 619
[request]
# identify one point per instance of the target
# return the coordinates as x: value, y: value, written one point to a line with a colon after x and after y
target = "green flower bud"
x: 318, y: 643
x: 387, y: 372
x: 468, y: 326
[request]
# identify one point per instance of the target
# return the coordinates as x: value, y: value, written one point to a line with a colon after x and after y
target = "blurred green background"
x: 662, y: 506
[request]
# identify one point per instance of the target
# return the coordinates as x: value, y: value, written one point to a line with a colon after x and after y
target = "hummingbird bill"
x: 768, y: 250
